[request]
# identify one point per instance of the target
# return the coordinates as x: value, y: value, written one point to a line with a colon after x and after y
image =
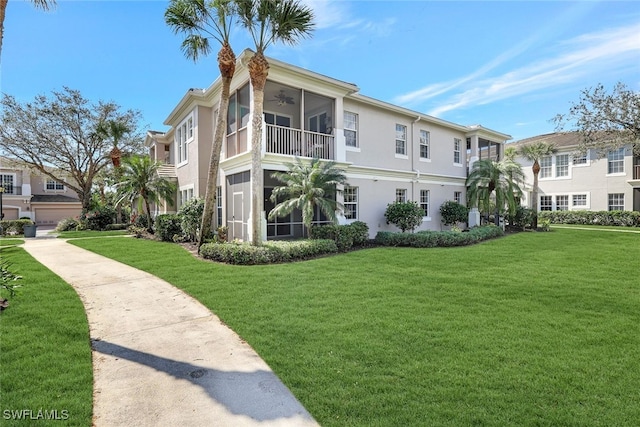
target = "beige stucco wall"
x: 590, y: 179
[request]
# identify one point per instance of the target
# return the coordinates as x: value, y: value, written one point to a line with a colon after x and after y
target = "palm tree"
x: 495, y: 182
x: 201, y: 20
x: 307, y: 185
x: 41, y: 4
x: 140, y: 180
x: 115, y: 130
x: 534, y: 152
x: 268, y: 21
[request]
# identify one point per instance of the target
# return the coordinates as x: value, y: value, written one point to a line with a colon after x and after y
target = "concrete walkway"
x: 160, y: 358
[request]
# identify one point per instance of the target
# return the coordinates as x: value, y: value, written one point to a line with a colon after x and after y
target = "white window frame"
x: 401, y: 195
x: 425, y: 142
x: 457, y: 197
x: 563, y: 206
x: 219, y: 206
x: 425, y: 196
x: 577, y: 198
x: 546, y: 167
x: 615, y: 200
x: 350, y: 199
x: 352, y: 130
x: 401, y: 138
x: 4, y: 182
x: 562, y: 169
x: 457, y: 151
x: 615, y: 160
x: 184, y: 134
x: 542, y: 205
x: 56, y: 186
x: 185, y: 194
x: 580, y: 160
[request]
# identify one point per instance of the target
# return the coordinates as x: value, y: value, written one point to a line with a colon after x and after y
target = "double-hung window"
x: 579, y: 200
x: 546, y: 167
x: 52, y: 185
x: 616, y: 201
x: 546, y: 203
x: 350, y: 202
x: 219, y: 206
x: 562, y: 203
x: 401, y: 195
x: 6, y: 182
x: 456, y: 150
x: 562, y: 165
x: 424, y: 201
x: 457, y: 196
x: 351, y: 129
x: 401, y: 139
x: 424, y: 144
x: 580, y: 159
x: 615, y: 159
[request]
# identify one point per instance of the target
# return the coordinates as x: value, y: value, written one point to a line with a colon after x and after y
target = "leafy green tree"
x: 202, y: 20
x: 268, y: 21
x: 605, y: 120
x: 497, y: 183
x: 62, y: 137
x: 307, y: 185
x: 140, y: 180
x: 453, y: 212
x: 534, y: 152
x: 404, y: 215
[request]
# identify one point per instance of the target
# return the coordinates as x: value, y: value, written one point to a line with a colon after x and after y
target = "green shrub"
x: 522, y: 218
x: 345, y: 236
x: 404, y: 215
x: 453, y: 213
x: 98, y: 218
x: 270, y: 252
x: 14, y: 226
x: 167, y: 226
x: 68, y: 224
x: 191, y: 216
x: 116, y: 227
x: 139, y: 220
x: 432, y: 239
x: 619, y: 218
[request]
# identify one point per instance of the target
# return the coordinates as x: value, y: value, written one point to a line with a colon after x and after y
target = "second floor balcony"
x: 296, y: 142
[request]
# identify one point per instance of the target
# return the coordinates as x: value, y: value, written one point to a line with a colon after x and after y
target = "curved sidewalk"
x: 160, y: 358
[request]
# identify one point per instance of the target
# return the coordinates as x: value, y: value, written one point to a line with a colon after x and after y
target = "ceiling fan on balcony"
x: 282, y: 99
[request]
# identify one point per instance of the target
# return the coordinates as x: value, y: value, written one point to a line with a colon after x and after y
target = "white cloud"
x: 577, y: 57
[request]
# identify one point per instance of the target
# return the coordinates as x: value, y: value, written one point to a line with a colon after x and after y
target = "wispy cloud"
x: 617, y: 47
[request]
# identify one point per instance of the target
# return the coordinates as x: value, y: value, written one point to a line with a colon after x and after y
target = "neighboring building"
x: 389, y: 153
x: 27, y: 194
x: 569, y: 180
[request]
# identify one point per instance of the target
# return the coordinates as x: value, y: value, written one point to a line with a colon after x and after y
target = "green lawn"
x: 530, y: 329
x: 90, y: 233
x: 45, y: 356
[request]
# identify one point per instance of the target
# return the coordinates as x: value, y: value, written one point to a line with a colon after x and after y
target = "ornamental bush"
x: 432, y: 239
x: 98, y: 218
x: 522, y: 218
x: 453, y: 213
x: 619, y: 218
x: 191, y: 217
x: 345, y: 236
x: 14, y: 226
x: 404, y: 215
x: 168, y: 226
x: 270, y: 252
x: 67, y: 224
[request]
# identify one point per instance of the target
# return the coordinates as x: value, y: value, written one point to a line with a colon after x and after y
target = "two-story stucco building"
x: 26, y: 194
x: 388, y: 152
x: 570, y: 180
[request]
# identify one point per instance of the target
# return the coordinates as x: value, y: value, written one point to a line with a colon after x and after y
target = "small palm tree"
x: 534, y: 152
x: 202, y: 20
x: 268, y: 21
x: 115, y: 130
x: 40, y: 4
x: 140, y: 180
x: 495, y: 182
x: 307, y: 185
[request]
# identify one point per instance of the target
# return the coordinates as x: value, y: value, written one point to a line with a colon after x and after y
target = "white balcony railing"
x: 295, y: 142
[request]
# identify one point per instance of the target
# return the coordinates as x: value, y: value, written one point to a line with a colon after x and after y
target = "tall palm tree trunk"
x: 258, y: 71
x: 227, y: 65
x: 534, y: 194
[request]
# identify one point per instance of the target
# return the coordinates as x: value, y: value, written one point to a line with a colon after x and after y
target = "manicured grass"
x: 11, y: 241
x: 90, y: 233
x: 529, y: 329
x: 45, y: 353
x: 598, y: 227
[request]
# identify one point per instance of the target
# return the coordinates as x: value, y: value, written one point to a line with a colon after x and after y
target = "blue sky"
x: 507, y: 65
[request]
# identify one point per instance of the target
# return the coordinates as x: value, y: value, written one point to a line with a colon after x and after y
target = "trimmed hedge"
x: 619, y: 218
x: 432, y: 239
x: 14, y: 226
x: 345, y: 236
x: 167, y: 226
x: 268, y: 253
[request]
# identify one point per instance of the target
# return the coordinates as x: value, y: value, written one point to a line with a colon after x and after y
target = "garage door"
x: 52, y: 216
